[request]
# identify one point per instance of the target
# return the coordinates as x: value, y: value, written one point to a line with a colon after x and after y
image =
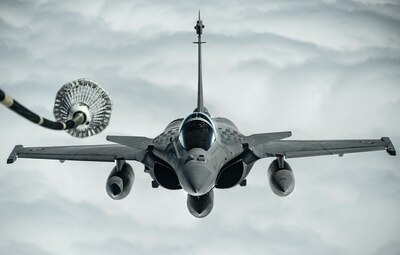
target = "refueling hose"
x: 78, y: 118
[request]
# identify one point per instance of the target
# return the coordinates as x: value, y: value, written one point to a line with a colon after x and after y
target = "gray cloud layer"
x: 323, y: 69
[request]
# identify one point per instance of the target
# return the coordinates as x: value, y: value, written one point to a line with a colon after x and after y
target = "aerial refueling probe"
x: 82, y: 108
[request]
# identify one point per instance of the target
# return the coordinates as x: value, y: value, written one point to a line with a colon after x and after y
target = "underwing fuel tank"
x: 281, y: 179
x: 201, y: 206
x: 120, y: 181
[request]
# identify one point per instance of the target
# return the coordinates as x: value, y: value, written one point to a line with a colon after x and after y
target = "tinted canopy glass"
x: 197, y: 131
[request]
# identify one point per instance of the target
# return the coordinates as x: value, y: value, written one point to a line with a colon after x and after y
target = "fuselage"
x: 197, y: 149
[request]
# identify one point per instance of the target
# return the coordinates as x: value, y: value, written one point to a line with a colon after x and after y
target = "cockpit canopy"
x: 197, y: 131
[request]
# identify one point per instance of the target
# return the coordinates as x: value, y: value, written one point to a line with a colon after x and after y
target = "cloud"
x: 389, y: 248
x: 323, y: 69
x: 22, y: 248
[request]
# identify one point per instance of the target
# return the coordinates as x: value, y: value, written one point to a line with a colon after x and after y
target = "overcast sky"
x: 322, y: 69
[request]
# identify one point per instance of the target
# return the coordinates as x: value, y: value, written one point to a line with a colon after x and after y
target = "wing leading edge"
x: 304, y: 148
x: 108, y: 152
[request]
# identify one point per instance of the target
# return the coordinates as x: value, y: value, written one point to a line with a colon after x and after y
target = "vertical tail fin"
x: 200, y: 104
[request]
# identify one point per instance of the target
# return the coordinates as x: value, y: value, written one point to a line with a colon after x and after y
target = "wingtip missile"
x: 14, y: 154
x: 389, y: 146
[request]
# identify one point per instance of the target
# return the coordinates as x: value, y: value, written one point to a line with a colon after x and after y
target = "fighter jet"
x: 201, y: 153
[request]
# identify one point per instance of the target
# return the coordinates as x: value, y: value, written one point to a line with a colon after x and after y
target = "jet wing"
x: 304, y: 148
x: 107, y: 152
x: 138, y: 142
x: 256, y: 139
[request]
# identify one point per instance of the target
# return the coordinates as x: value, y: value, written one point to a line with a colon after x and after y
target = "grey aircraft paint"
x: 200, y: 153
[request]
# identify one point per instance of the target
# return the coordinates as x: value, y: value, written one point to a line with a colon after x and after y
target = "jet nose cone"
x: 196, y: 179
